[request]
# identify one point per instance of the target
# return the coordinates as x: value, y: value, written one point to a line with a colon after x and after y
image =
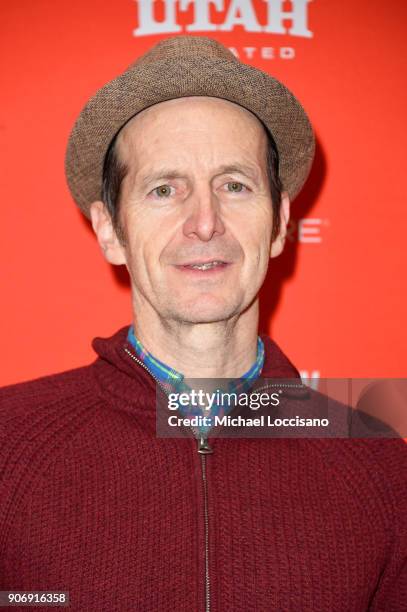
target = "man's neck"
x: 224, y: 349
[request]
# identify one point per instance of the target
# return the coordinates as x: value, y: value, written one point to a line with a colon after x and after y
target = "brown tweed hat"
x: 177, y: 67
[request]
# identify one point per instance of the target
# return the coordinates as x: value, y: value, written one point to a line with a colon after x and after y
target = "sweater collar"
x: 126, y: 385
x: 123, y: 377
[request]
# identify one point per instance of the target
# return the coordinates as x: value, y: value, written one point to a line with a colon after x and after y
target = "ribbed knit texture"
x: 92, y: 502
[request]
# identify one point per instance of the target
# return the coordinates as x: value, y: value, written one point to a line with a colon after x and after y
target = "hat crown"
x: 185, y: 46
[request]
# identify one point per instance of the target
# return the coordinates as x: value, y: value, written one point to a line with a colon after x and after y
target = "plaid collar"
x: 171, y: 379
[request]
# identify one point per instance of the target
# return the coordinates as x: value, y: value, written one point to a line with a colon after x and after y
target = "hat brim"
x: 147, y: 84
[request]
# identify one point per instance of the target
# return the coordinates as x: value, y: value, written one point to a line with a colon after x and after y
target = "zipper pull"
x: 203, y: 447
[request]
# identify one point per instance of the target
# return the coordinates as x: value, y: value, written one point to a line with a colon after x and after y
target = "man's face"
x: 195, y: 209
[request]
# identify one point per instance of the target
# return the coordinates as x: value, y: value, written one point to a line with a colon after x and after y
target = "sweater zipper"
x: 203, y: 449
x: 206, y: 522
x: 281, y: 386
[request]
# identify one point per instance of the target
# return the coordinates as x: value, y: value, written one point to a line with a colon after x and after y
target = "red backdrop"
x: 335, y: 299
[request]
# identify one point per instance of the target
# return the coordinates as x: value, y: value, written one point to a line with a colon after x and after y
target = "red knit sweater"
x: 93, y: 503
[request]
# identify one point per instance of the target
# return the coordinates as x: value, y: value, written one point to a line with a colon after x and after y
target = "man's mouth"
x: 205, y: 266
x: 213, y: 265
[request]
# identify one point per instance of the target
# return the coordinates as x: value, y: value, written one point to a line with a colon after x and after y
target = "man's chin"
x: 200, y: 320
x: 202, y: 312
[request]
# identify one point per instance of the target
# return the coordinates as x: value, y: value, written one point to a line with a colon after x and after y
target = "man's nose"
x: 203, y: 216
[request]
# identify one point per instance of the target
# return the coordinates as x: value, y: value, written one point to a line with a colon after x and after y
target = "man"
x: 186, y: 165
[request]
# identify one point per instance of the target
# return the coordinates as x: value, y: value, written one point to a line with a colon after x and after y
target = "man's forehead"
x: 198, y: 106
x: 210, y: 134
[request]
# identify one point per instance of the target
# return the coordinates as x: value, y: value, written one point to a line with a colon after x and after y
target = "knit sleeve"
x: 391, y: 593
x: 37, y: 420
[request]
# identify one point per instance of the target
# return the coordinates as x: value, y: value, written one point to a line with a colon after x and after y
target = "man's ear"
x: 278, y: 243
x: 112, y: 249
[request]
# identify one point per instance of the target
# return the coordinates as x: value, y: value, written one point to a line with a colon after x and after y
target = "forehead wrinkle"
x: 170, y: 173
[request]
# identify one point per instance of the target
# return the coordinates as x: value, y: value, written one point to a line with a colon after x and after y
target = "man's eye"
x: 235, y: 187
x: 163, y: 191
